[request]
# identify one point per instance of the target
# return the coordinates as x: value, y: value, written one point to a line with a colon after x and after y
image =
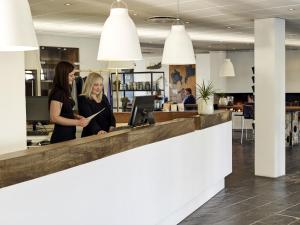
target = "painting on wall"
x: 181, y: 77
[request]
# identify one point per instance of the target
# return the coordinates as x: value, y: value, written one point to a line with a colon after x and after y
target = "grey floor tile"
x: 248, y: 199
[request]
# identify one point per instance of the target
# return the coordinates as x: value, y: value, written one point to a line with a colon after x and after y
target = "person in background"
x: 61, y: 105
x: 91, y: 101
x: 189, y: 98
x: 250, y: 99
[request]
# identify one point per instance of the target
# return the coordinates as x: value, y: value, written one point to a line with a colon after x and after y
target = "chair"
x: 248, y: 114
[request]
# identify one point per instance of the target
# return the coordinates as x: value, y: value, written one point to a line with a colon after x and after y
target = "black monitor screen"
x: 142, y: 111
x: 37, y: 108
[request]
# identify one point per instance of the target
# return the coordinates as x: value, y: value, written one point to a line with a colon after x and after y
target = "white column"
x: 270, y: 97
x: 12, y: 100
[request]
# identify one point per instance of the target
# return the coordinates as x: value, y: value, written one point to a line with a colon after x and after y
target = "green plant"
x: 205, y: 91
x: 222, y: 95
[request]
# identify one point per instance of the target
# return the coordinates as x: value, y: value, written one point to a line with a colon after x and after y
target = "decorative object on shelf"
x: 180, y: 107
x: 16, y: 26
x: 230, y: 100
x: 178, y: 48
x: 124, y: 101
x: 142, y: 87
x: 117, y: 65
x: 227, y: 69
x: 222, y: 99
x: 206, y: 98
x: 173, y: 107
x: 115, y: 87
x: 116, y: 47
x: 147, y: 86
x: 154, y: 67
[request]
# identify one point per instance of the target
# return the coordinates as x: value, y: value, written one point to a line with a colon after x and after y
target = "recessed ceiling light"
x: 229, y: 27
x: 187, y: 22
x: 291, y: 9
x: 67, y: 4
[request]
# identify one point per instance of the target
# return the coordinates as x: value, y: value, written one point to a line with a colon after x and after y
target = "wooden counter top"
x: 29, y: 164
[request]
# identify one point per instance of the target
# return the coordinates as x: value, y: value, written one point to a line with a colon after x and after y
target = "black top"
x: 190, y: 99
x: 61, y: 132
x: 102, y: 121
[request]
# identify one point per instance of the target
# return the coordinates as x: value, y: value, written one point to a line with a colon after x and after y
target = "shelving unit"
x: 50, y: 57
x: 137, y: 84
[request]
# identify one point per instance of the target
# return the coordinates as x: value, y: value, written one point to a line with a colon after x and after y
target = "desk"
x: 156, y: 174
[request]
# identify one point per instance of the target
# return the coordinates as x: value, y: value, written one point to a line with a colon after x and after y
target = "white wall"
x: 12, y: 98
x: 292, y: 71
x: 202, y: 67
x: 216, y: 61
x: 244, y: 60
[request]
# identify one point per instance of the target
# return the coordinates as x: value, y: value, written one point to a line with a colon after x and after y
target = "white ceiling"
x: 214, y: 24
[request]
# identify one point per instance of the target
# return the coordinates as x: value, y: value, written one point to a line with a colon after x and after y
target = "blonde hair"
x: 88, y: 85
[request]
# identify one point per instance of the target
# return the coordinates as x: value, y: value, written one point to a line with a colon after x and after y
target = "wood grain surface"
x: 33, y: 163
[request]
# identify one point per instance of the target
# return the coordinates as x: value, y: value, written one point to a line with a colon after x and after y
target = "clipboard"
x: 92, y: 116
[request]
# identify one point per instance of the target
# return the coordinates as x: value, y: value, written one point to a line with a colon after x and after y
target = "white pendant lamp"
x: 178, y: 49
x: 119, y: 39
x: 16, y: 27
x: 227, y: 69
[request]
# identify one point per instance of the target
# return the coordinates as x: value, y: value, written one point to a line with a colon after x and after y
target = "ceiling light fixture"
x: 119, y: 39
x: 227, y: 69
x: 178, y: 48
x: 16, y: 26
x: 291, y: 9
x: 229, y: 27
x: 67, y: 4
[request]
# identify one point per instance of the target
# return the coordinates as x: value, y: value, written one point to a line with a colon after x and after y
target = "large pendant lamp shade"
x: 227, y: 69
x: 178, y: 49
x: 16, y: 27
x: 119, y: 39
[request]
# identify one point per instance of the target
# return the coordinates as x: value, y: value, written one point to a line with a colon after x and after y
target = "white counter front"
x: 159, y: 183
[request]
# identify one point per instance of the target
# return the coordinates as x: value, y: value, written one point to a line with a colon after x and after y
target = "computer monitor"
x: 142, y: 111
x: 37, y: 109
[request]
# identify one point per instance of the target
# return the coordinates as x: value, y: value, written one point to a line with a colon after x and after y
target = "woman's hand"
x: 83, y: 122
x: 77, y: 116
x: 102, y: 132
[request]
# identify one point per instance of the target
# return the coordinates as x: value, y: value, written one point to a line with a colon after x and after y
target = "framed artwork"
x: 181, y: 77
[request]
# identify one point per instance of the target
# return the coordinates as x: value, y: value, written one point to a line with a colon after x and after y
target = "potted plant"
x: 206, y: 98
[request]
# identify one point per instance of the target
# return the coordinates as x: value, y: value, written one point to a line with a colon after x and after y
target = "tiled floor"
x: 253, y: 200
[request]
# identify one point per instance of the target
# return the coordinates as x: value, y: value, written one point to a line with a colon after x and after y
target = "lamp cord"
x: 177, y: 9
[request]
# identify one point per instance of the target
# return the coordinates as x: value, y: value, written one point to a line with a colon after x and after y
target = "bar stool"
x: 248, y: 114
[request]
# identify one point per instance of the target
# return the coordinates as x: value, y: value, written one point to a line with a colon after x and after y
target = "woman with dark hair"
x: 61, y: 105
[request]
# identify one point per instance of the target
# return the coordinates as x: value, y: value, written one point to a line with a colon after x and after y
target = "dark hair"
x: 61, y: 79
x: 189, y: 90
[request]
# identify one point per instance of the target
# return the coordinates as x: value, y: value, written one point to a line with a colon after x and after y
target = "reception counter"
x: 156, y: 174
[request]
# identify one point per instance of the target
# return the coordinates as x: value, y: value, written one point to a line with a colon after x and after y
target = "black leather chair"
x: 248, y: 114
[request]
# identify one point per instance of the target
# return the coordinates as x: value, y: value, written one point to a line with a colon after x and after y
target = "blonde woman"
x: 91, y: 101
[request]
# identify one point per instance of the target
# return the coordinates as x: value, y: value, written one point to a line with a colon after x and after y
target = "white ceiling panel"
x: 209, y: 19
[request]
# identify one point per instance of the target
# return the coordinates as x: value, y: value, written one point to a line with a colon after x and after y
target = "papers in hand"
x: 92, y: 116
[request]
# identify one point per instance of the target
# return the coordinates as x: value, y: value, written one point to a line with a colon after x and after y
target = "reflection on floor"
x: 253, y: 200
